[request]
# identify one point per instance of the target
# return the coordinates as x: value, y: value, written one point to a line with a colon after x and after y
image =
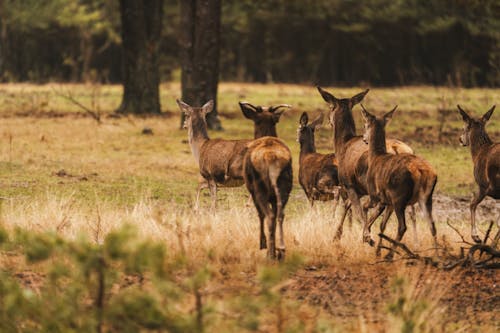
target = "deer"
x: 396, y: 180
x: 264, y: 118
x: 318, y: 174
x: 486, y: 159
x: 268, y: 177
x: 227, y: 163
x: 352, y: 156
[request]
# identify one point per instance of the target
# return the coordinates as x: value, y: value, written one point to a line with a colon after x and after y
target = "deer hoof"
x: 389, y: 256
x: 477, y: 239
x: 281, y: 254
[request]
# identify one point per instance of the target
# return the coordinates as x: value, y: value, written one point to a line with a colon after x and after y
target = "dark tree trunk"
x: 200, y: 42
x: 141, y: 32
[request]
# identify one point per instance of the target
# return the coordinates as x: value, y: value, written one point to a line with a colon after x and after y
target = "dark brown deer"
x: 264, y: 118
x: 229, y: 163
x: 396, y: 181
x: 318, y: 173
x: 268, y: 178
x: 486, y: 158
x: 352, y: 155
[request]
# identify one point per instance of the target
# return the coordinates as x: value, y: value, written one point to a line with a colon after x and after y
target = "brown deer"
x: 229, y: 163
x: 264, y: 118
x: 396, y: 181
x: 352, y: 154
x: 268, y: 177
x: 220, y: 161
x: 486, y: 158
x: 318, y: 173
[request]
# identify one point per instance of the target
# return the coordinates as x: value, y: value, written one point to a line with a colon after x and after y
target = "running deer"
x: 226, y: 165
x: 486, y: 158
x: 318, y: 173
x: 268, y: 177
x: 352, y: 155
x: 396, y: 181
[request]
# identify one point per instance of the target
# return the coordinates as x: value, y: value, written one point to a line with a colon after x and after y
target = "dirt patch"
x: 350, y: 291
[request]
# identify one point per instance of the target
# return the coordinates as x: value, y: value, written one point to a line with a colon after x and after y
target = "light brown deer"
x: 396, y: 181
x: 225, y: 167
x: 220, y: 161
x: 486, y: 158
x: 268, y: 178
x: 352, y: 155
x: 318, y: 173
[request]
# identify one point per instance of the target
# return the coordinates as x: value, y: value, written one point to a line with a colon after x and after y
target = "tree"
x: 200, y: 43
x: 141, y: 32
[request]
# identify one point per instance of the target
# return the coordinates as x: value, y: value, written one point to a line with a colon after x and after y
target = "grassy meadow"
x: 63, y: 173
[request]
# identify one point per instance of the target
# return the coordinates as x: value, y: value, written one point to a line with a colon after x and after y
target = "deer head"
x: 305, y: 132
x: 374, y: 124
x: 264, y: 118
x: 473, y: 125
x: 340, y: 105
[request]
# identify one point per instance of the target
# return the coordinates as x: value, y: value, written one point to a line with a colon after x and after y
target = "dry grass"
x: 114, y: 176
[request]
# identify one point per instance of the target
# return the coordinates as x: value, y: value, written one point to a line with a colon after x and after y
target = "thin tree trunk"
x: 200, y: 43
x: 141, y: 32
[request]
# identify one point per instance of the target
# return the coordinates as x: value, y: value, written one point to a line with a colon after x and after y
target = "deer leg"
x: 413, y: 217
x: 379, y: 210
x: 355, y: 202
x: 202, y: 184
x: 400, y: 214
x: 340, y: 228
x: 336, y: 196
x: 213, y: 193
x: 271, y: 225
x: 426, y: 208
x: 277, y: 206
x: 383, y: 224
x: 476, y: 200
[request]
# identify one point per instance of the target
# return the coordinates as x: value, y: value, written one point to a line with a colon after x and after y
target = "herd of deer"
x: 385, y: 170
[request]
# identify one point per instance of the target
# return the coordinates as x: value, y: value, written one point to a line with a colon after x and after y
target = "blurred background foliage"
x: 328, y: 42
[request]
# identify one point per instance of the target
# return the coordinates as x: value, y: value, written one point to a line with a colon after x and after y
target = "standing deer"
x: 220, y: 161
x: 227, y: 163
x: 318, y: 173
x: 352, y: 155
x: 486, y: 158
x: 396, y: 181
x: 268, y: 177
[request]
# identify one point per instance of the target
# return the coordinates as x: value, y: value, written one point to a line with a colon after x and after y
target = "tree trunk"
x: 141, y: 32
x: 200, y: 42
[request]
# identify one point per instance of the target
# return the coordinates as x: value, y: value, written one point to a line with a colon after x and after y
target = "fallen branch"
x: 69, y: 96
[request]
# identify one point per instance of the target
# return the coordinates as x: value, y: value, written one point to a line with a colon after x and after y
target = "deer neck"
x: 197, y: 135
x: 345, y: 129
x: 307, y: 146
x: 377, y: 145
x: 478, y: 139
x: 268, y: 130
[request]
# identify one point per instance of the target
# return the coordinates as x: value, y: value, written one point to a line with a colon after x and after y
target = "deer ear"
x: 366, y: 115
x: 329, y: 98
x: 488, y: 114
x: 303, y: 119
x: 248, y: 110
x: 464, y: 114
x: 208, y: 107
x: 278, y: 110
x: 359, y: 97
x: 184, y: 107
x: 388, y: 115
x: 316, y: 123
